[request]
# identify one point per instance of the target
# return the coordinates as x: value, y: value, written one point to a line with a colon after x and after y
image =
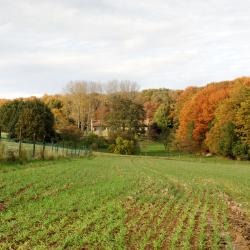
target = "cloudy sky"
x: 44, y: 44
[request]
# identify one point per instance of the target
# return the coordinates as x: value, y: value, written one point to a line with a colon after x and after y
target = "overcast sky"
x: 44, y: 44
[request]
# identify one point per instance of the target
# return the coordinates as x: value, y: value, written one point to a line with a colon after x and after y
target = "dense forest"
x: 211, y: 119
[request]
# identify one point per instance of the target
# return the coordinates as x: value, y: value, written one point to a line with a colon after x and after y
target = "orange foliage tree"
x: 232, y: 120
x: 198, y: 113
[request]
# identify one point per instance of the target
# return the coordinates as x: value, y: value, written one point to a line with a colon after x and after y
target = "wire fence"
x: 39, y: 150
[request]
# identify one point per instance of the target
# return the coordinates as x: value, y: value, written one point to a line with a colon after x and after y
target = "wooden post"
x: 34, y: 146
x: 67, y: 150
x: 44, y: 147
x: 20, y: 144
x: 52, y: 145
x: 63, y: 148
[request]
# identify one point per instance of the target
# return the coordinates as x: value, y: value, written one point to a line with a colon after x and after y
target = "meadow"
x: 125, y: 202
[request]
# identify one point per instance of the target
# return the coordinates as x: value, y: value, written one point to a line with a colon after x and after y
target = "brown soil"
x: 239, y: 227
x: 23, y: 189
x: 2, y: 206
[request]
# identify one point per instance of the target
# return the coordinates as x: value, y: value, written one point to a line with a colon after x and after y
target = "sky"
x: 157, y: 43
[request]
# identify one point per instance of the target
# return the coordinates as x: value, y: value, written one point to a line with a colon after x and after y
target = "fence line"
x: 42, y: 149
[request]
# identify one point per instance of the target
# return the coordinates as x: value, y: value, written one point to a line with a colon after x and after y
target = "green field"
x: 114, y: 202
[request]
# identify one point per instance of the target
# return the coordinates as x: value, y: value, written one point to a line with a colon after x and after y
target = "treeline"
x: 211, y: 119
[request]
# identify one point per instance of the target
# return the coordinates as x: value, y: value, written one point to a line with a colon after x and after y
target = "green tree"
x: 9, y: 115
x: 164, y: 121
x: 126, y: 115
x: 29, y: 118
x: 36, y: 121
x: 242, y: 120
x: 227, y: 139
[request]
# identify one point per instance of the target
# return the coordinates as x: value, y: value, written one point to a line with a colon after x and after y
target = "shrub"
x: 126, y: 135
x: 94, y: 146
x: 94, y: 142
x: 23, y: 156
x: 70, y: 134
x: 154, y: 132
x: 124, y: 147
x: 241, y: 151
x: 10, y: 156
x: 2, y: 151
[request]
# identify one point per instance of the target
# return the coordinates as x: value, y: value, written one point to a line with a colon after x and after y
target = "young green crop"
x: 112, y: 202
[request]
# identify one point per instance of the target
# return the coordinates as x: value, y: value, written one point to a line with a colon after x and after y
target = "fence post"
x: 63, y: 148
x: 52, y: 145
x: 43, y: 147
x: 34, y: 146
x: 67, y: 149
x: 20, y: 144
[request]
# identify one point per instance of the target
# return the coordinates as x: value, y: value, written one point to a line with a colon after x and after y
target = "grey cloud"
x: 171, y: 43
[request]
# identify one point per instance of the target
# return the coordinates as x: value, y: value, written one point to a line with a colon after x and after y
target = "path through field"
x: 125, y: 203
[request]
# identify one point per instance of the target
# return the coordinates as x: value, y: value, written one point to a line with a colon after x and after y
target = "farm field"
x: 115, y: 202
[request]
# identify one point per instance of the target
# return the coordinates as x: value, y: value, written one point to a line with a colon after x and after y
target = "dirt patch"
x: 23, y: 189
x: 2, y: 206
x: 239, y: 226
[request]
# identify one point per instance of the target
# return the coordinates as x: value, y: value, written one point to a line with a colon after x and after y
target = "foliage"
x: 70, y: 134
x: 242, y: 118
x: 197, y: 115
x: 231, y: 123
x: 227, y: 139
x: 31, y: 118
x: 126, y: 114
x: 154, y: 132
x: 241, y: 151
x: 124, y: 147
x: 35, y: 122
x: 164, y: 121
x: 212, y: 118
x: 9, y: 116
x: 95, y: 142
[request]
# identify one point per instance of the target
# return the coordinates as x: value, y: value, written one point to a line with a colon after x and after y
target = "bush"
x: 126, y: 135
x: 154, y: 132
x: 124, y: 147
x: 94, y: 146
x: 2, y: 151
x: 23, y: 156
x: 70, y: 134
x: 94, y: 142
x: 241, y: 151
x: 10, y: 156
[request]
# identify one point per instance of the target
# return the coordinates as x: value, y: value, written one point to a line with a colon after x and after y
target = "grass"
x: 109, y: 202
x: 149, y: 148
x: 50, y: 151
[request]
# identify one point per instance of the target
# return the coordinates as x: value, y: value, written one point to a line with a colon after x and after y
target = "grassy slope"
x: 83, y: 202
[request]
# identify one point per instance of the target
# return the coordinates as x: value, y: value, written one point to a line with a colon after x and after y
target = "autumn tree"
x: 77, y: 102
x: 229, y: 133
x: 197, y: 115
